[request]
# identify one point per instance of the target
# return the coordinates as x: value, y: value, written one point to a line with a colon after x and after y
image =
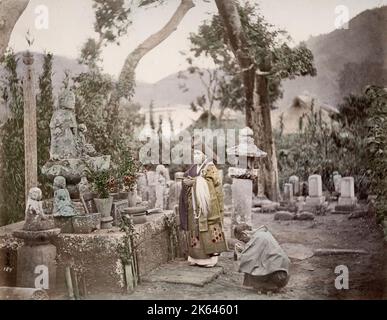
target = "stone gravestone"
x: 174, y: 190
x: 142, y: 186
x: 243, y: 175
x: 227, y: 192
x: 347, y: 190
x: 288, y: 192
x: 242, y: 200
x: 295, y: 181
x: 315, y: 191
x: 161, y: 186
x: 336, y: 181
x: 151, y: 188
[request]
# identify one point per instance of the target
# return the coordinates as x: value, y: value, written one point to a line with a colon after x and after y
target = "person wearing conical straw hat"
x: 201, y: 209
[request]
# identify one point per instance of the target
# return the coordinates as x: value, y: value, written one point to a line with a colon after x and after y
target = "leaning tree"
x: 10, y: 12
x: 112, y: 19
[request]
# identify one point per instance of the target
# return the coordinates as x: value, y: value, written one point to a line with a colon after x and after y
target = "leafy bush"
x: 322, y: 147
x: 377, y: 147
x: 103, y: 183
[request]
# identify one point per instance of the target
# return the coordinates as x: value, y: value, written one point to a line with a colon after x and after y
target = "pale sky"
x: 71, y: 23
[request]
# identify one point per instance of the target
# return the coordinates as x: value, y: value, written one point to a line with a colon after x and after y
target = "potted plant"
x: 102, y: 184
x: 128, y: 170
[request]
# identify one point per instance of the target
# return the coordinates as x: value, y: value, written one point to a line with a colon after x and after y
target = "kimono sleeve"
x: 213, y: 174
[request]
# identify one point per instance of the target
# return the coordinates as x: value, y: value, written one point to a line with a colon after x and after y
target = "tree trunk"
x: 256, y: 93
x: 127, y: 76
x: 270, y: 170
x: 10, y: 12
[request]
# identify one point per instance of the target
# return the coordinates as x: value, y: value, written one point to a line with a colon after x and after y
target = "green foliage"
x: 111, y: 22
x: 377, y: 147
x: 323, y: 146
x: 111, y: 18
x: 127, y: 171
x: 111, y: 124
x: 91, y: 90
x: 103, y: 182
x: 45, y: 107
x: 13, y: 144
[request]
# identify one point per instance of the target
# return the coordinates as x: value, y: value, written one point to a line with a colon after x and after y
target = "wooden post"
x: 30, y: 135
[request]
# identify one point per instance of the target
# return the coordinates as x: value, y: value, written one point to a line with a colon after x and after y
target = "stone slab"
x: 297, y: 251
x: 304, y: 216
x: 347, y: 201
x: 315, y: 201
x: 328, y: 252
x: 283, y: 216
x: 96, y: 255
x: 180, y: 272
x: 15, y: 293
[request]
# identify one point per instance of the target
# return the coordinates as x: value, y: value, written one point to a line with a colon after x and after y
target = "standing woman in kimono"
x: 201, y: 212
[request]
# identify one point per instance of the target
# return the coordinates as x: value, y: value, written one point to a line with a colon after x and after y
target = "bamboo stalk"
x: 84, y: 288
x: 76, y: 287
x: 69, y: 283
x: 129, y: 278
x: 134, y: 266
x: 137, y: 278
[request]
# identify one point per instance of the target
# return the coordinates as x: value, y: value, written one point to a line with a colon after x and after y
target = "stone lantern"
x: 243, y: 175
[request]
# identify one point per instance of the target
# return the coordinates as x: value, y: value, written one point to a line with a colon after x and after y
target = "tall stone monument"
x: 242, y: 185
x: 30, y: 135
x: 70, y: 156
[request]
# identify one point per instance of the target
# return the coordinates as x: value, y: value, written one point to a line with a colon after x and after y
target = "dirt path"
x: 312, y: 278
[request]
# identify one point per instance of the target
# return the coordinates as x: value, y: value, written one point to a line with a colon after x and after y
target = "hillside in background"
x: 346, y: 61
x: 168, y: 91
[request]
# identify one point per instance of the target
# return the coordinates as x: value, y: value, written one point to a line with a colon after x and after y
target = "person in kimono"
x: 201, y: 211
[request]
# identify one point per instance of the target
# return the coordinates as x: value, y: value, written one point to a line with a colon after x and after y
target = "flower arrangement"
x: 103, y: 182
x: 127, y: 172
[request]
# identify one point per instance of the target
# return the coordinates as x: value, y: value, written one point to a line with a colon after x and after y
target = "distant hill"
x: 358, y: 53
x: 168, y: 92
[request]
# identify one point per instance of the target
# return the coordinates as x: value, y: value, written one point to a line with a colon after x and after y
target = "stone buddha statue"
x: 63, y: 127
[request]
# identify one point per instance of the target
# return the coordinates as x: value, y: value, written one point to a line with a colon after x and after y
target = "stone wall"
x: 2, y: 222
x: 95, y: 255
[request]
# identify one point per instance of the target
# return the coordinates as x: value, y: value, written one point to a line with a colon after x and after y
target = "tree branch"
x: 10, y: 12
x: 127, y: 76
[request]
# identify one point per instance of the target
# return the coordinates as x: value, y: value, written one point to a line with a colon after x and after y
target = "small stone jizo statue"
x: 63, y: 205
x: 35, y: 219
